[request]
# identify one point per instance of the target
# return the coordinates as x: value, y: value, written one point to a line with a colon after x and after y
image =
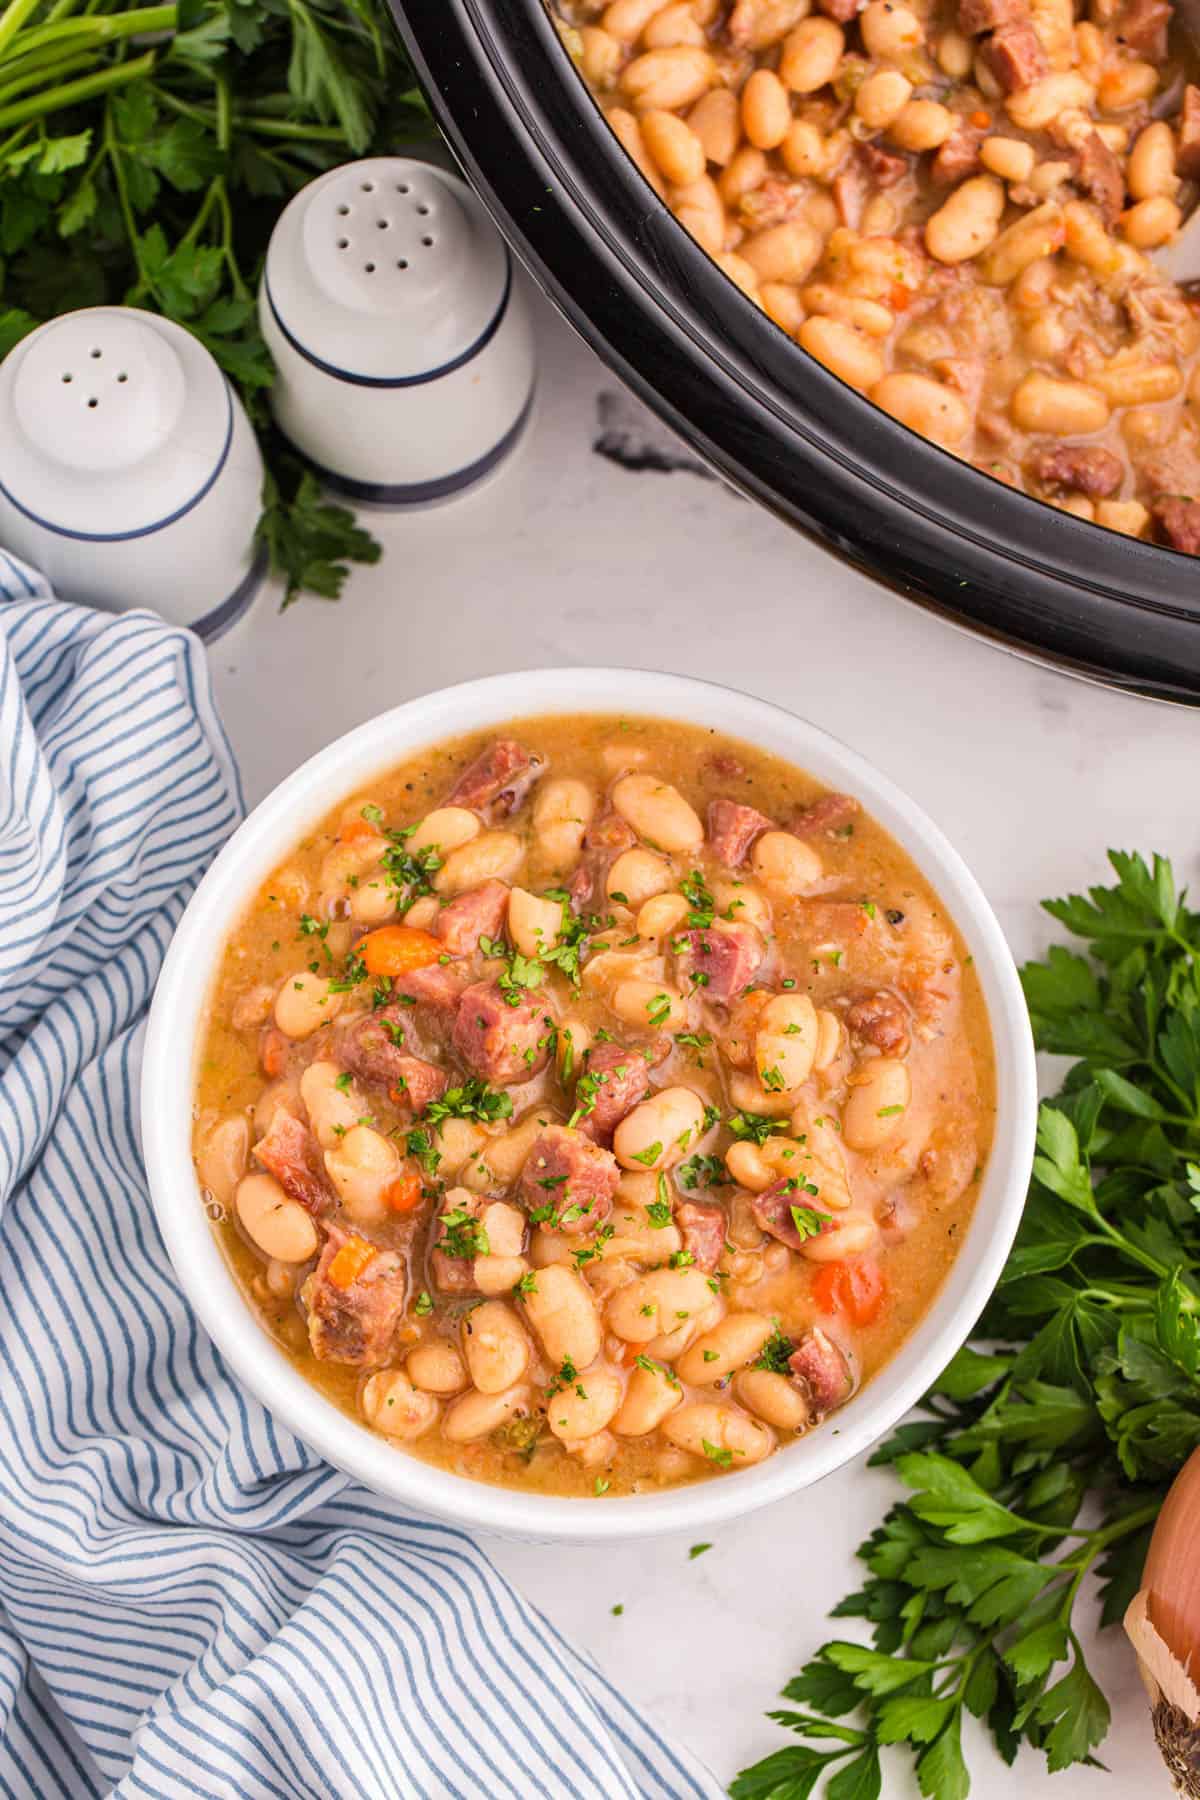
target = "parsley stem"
x: 72, y: 92
x: 55, y: 66
x: 262, y: 123
x: 12, y: 19
x: 107, y: 27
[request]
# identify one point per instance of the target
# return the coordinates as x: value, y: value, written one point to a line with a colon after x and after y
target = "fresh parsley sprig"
x: 1042, y: 1456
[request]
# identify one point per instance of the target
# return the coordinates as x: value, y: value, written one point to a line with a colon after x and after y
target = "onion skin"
x: 1163, y: 1625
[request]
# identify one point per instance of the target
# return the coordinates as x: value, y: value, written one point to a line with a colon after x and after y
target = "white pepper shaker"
x: 400, y: 330
x: 129, y: 473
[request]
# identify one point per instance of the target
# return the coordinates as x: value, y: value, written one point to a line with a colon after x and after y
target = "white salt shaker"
x: 400, y: 331
x: 129, y: 473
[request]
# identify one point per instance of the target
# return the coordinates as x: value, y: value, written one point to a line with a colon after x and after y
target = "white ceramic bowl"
x: 168, y: 1081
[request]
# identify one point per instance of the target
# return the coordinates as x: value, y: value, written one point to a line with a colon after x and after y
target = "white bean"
x: 774, y: 1398
x: 496, y: 1348
x: 562, y: 1312
x: 221, y: 1159
x: 534, y: 923
x: 332, y: 1110
x: 657, y: 1303
x: 445, y: 829
x: 721, y: 1436
x: 650, y: 1394
x: 562, y: 811
x: 785, y: 1044
x: 495, y: 856
x: 436, y: 1366
x: 730, y: 1345
x: 476, y: 1414
x: 391, y: 1404
x: 852, y: 1233
x: 658, y: 812
x: 304, y: 1003
x: 638, y: 875
x: 659, y: 917
x: 362, y: 1167
x: 583, y: 1407
x: 783, y: 861
x: 649, y: 1005
x: 278, y: 1225
x: 876, y: 1104
x: 659, y: 1131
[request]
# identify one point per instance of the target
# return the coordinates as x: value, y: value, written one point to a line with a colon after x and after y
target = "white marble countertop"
x: 568, y: 558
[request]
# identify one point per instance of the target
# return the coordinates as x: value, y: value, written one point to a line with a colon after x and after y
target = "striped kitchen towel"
x: 191, y: 1603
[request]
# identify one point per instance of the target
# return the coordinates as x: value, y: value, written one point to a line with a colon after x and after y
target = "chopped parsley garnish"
x: 772, y: 1080
x: 526, y: 1285
x: 755, y: 1128
x: 808, y: 1221
x: 693, y: 1040
x: 681, y: 1259
x: 722, y: 1458
x: 473, y: 1100
x: 410, y: 873
x: 421, y: 1146
x: 775, y: 1353
x: 658, y: 1009
x: 354, y: 970
x: 698, y: 897
x: 618, y: 1609
x: 423, y: 1304
x: 519, y: 974
x: 465, y: 1236
x: 697, y: 1550
x: 702, y: 1171
x: 888, y: 1112
x: 343, y: 1081
x: 650, y: 1155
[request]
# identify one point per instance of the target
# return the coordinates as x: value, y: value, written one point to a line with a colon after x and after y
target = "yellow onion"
x: 1163, y: 1624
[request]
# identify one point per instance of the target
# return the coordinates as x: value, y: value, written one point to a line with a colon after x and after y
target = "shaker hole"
x: 93, y: 401
x: 343, y: 243
x: 68, y: 377
x: 382, y: 224
x: 342, y: 211
x: 428, y: 242
x: 369, y: 267
x: 402, y: 187
x: 368, y: 187
x: 122, y: 376
x: 94, y: 353
x: 403, y: 263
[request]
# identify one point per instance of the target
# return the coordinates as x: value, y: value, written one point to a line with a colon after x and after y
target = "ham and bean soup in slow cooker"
x: 594, y: 1108
x: 950, y: 204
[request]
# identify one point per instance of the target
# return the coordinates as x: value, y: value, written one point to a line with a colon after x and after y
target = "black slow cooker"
x: 771, y: 419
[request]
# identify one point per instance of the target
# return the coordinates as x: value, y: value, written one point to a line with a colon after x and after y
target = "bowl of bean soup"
x: 895, y: 268
x: 588, y: 1103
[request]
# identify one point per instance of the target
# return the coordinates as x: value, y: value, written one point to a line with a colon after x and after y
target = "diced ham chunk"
x: 437, y: 986
x: 291, y: 1154
x: 956, y: 158
x: 478, y: 913
x: 880, y: 1019
x: 611, y: 833
x: 720, y: 960
x: 732, y: 828
x: 1078, y: 468
x: 1180, y: 522
x: 824, y: 1370
x: 773, y: 1210
x: 1100, y: 177
x: 1142, y: 28
x: 500, y: 776
x: 977, y: 16
x: 369, y: 1049
x: 885, y: 167
x: 454, y: 1274
x: 703, y: 1230
x: 850, y: 195
x: 566, y: 1170
x: 837, y: 922
x: 252, y: 1007
x: 1187, y: 156
x: 274, y: 1048
x: 1015, y: 57
x: 354, y: 1324
x: 831, y: 812
x: 612, y: 1084
x: 498, y: 1042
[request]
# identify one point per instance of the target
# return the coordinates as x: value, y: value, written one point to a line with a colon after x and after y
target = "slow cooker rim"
x: 653, y: 304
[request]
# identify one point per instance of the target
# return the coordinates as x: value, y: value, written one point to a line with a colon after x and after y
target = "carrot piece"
x: 272, y: 1051
x: 403, y: 1194
x: 856, y: 1289
x: 900, y: 298
x: 353, y: 829
x: 350, y: 1261
x: 395, y: 949
x: 981, y: 120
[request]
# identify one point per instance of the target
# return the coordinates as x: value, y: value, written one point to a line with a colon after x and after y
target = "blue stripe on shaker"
x: 400, y: 381
x: 122, y: 537
x: 191, y: 1603
x: 423, y: 493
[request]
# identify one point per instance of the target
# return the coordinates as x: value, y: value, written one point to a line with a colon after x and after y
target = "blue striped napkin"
x: 191, y: 1603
